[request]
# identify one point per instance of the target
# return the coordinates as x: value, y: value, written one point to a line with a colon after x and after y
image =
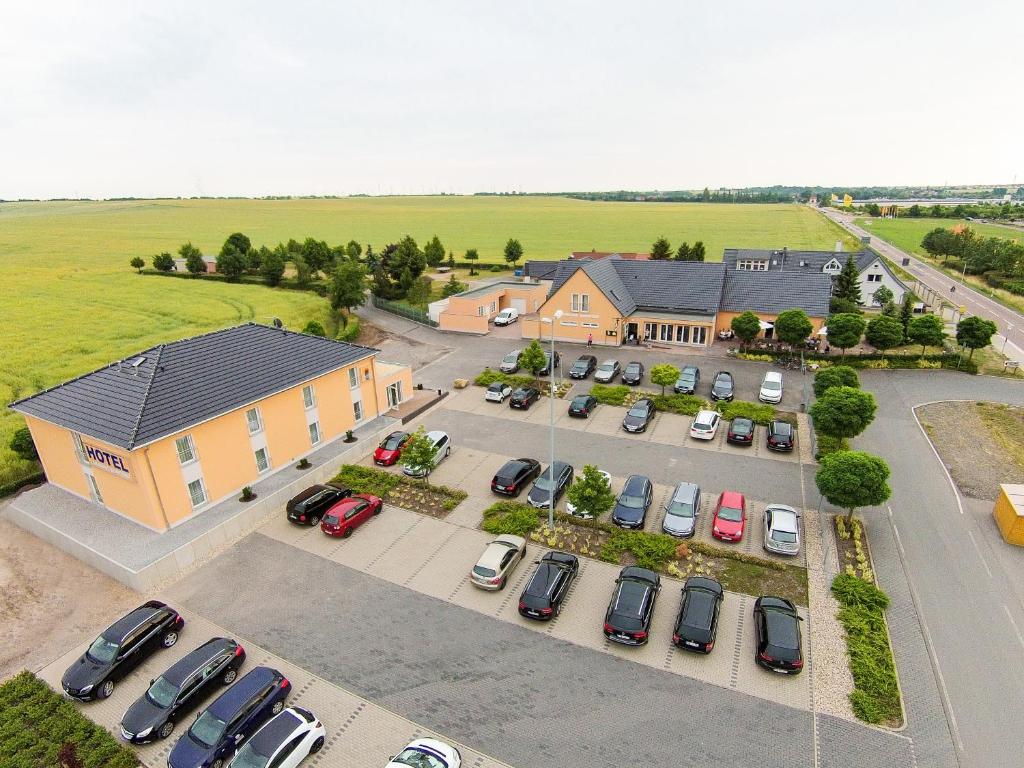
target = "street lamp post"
x: 1006, y: 333
x: 551, y: 419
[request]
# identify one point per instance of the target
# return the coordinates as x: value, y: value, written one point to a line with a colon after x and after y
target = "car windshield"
x: 162, y: 693
x: 496, y: 387
x: 580, y: 401
x: 686, y: 378
x: 417, y: 759
x: 784, y: 537
x: 487, y: 573
x: 607, y: 366
x: 248, y: 757
x: 544, y: 482
x: 511, y: 357
x: 579, y: 365
x: 632, y: 368
x: 638, y: 410
x: 681, y: 509
x: 772, y: 385
x: 392, y: 443
x: 631, y: 502
x: 207, y: 729
x: 102, y: 650
x: 730, y: 514
x: 723, y: 383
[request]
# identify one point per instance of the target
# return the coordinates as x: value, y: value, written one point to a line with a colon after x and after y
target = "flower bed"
x: 688, y: 405
x: 414, y: 495
x: 875, y: 360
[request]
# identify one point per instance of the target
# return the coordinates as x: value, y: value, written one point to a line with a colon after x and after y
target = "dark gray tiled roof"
x: 540, y: 270
x: 185, y: 382
x: 788, y: 261
x: 777, y: 291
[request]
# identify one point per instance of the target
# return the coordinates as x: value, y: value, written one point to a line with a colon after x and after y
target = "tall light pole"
x: 551, y: 419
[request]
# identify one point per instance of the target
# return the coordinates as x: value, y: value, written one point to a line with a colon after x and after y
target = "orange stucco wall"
x: 462, y: 323
x: 570, y: 326
x: 464, y: 312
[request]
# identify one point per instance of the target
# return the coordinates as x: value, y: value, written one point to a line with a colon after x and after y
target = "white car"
x: 427, y: 753
x: 771, y: 388
x: 442, y: 448
x: 705, y: 425
x: 571, y: 508
x: 499, y: 559
x: 506, y: 316
x: 497, y: 392
x: 781, y: 530
x: 283, y: 742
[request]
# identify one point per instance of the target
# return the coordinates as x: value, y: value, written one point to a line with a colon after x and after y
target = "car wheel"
x: 165, y: 730
x: 170, y: 639
x: 502, y: 583
x: 558, y: 609
x: 106, y: 689
x: 378, y: 509
x: 314, y: 521
x: 447, y: 452
x: 317, y: 746
x: 230, y: 675
x: 347, y: 533
x: 276, y: 709
x: 217, y: 764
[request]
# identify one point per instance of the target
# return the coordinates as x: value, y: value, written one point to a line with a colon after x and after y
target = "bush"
x: 756, y: 412
x: 510, y: 517
x: 22, y: 444
x: 367, y: 479
x: 495, y: 268
x: 609, y: 394
x: 685, y: 405
x: 857, y: 593
x: 828, y: 444
x: 314, y: 328
x: 651, y: 550
x: 350, y: 331
x: 488, y: 376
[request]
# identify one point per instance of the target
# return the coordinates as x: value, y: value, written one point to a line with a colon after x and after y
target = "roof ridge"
x: 145, y: 398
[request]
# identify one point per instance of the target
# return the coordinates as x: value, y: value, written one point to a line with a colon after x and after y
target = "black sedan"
x: 583, y: 367
x: 180, y: 689
x: 542, y: 599
x: 639, y: 417
x: 628, y: 618
x: 631, y: 507
x: 697, y: 622
x: 777, y: 626
x: 514, y: 475
x: 633, y: 373
x: 780, y: 436
x: 741, y: 431
x: 722, y: 387
x: 120, y: 648
x: 582, y: 406
x: 688, y: 380
x: 523, y: 397
x: 552, y: 482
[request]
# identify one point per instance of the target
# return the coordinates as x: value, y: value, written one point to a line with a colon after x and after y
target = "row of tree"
x: 661, y: 250
x: 978, y: 255
x: 959, y: 211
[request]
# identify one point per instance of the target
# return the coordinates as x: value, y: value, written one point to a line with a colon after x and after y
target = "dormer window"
x: 752, y: 265
x: 832, y: 267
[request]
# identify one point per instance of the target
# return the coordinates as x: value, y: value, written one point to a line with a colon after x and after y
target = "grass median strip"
x: 688, y: 405
x: 414, y: 495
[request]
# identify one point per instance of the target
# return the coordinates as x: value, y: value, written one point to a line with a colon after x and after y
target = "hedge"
x: 876, y: 360
x: 510, y: 517
x: 684, y: 405
x: 36, y: 722
x: 317, y: 287
x: 16, y: 485
x: 350, y: 331
x: 756, y: 412
x: 370, y: 480
x: 488, y: 376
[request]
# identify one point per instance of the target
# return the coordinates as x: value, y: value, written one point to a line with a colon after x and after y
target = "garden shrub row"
x: 684, y: 405
x: 16, y: 485
x: 488, y: 376
x: 379, y: 482
x: 36, y: 724
x: 350, y: 331
x: 875, y: 360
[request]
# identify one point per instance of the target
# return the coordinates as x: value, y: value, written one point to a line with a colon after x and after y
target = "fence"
x: 402, y: 310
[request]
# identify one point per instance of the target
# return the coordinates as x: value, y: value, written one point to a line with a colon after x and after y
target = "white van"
x: 771, y: 388
x: 442, y: 447
x: 507, y: 316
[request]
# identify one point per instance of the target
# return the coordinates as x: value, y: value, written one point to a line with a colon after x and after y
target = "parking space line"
x: 1016, y: 629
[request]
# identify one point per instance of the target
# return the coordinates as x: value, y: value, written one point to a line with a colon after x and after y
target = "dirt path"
x: 49, y: 601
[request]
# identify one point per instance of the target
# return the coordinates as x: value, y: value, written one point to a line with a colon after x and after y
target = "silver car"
x: 781, y: 529
x: 499, y: 559
x: 442, y: 448
x: 510, y: 362
x: 607, y: 371
x: 682, y: 510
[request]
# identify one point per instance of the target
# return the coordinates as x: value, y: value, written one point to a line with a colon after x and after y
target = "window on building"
x: 197, y: 492
x: 252, y: 418
x: 874, y: 278
x: 353, y: 377
x: 589, y: 325
x: 650, y: 330
x: 666, y: 332
x: 96, y: 495
x: 394, y: 394
x: 314, y: 432
x: 494, y: 307
x: 262, y: 460
x: 700, y: 334
x: 683, y: 334
x: 357, y: 410
x: 752, y: 265
x: 581, y: 302
x: 480, y: 311
x: 366, y: 374
x: 186, y: 450
x: 308, y: 398
x: 570, y: 323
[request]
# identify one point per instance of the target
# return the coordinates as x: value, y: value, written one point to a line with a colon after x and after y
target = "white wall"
x: 867, y: 289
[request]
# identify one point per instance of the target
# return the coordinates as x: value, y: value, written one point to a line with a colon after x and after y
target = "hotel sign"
x: 105, y: 458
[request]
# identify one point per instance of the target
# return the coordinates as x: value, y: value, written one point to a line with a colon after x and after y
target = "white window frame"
x: 569, y: 323
x: 190, y: 443
x: 314, y: 426
x: 310, y: 401
x: 589, y: 325
x: 353, y: 377
x: 396, y: 388
x: 202, y: 487
x: 752, y: 265
x: 875, y: 278
x: 357, y: 411
x: 581, y: 302
x: 266, y: 458
x: 254, y: 411
x: 494, y: 307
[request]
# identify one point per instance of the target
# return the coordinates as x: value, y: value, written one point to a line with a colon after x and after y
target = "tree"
x: 193, y: 257
x: 254, y: 259
x: 348, y: 286
x: 406, y: 255
x: 839, y: 306
x: 845, y: 330
x: 472, y: 255
x: 590, y: 493
x: 835, y: 376
x: 314, y: 328
x: 513, y: 251
x: 746, y: 326
x: 303, y: 272
x: 664, y: 374
x: 420, y: 290
x: 851, y: 479
x: 883, y: 296
x: 138, y: 262
x: 382, y: 286
x: 239, y: 242
x: 874, y: 210
x: 884, y: 333
x: 418, y: 455
x: 317, y: 255
x: 354, y: 250
x: 452, y: 287
x: 914, y: 211
x: 163, y: 262
x: 927, y: 330
x: 661, y: 250
x: 906, y: 312
x: 848, y: 283
x: 684, y: 252
x: 405, y: 281
x: 451, y: 260
x: 698, y: 252
x: 230, y: 262
x: 533, y: 358
x: 843, y: 412
x: 974, y: 333
x: 23, y: 445
x: 793, y: 326
x: 272, y: 268
x: 939, y: 243
x: 433, y: 252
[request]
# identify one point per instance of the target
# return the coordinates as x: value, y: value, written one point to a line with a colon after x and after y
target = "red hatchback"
x: 390, y: 449
x: 348, y: 514
x: 730, y: 516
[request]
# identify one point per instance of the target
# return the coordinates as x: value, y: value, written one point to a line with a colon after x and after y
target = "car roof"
x: 689, y: 369
x: 635, y: 483
x: 783, y: 626
x: 705, y: 414
x: 610, y: 362
x: 633, y: 363
x: 513, y: 466
x: 559, y: 557
x: 276, y: 732
x: 586, y: 358
x: 313, y: 490
x: 235, y: 697
x: 193, y: 660
x: 702, y: 582
x: 742, y: 420
x: 558, y: 465
x: 492, y: 554
x: 783, y: 517
x: 543, y: 579
x: 731, y: 499
x: 723, y: 373
x: 131, y: 620
x: 513, y: 352
x: 636, y: 572
x: 773, y: 376
x: 700, y: 607
x: 435, y: 435
x: 396, y: 433
x: 685, y: 492
x: 497, y: 385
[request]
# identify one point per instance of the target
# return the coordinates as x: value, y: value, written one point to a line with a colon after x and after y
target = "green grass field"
x: 907, y: 233
x: 71, y: 303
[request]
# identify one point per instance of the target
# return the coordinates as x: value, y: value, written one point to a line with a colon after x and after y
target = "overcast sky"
x: 256, y: 98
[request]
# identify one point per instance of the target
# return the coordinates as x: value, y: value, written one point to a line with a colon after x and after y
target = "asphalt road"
x: 1010, y: 323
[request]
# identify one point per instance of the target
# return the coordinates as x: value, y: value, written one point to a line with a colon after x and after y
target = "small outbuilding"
x: 1009, y: 513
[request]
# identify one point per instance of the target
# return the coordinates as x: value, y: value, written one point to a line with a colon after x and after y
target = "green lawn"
x: 907, y: 233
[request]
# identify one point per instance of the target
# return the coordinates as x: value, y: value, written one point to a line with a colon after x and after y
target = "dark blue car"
x: 632, y: 505
x: 235, y: 716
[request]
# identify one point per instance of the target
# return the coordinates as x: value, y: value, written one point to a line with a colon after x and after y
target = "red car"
x: 389, y: 451
x: 348, y: 514
x: 730, y: 516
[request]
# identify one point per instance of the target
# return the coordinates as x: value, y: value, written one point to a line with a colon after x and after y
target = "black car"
x: 689, y: 379
x: 120, y: 648
x: 553, y: 480
x: 722, y: 387
x: 741, y: 431
x: 181, y: 689
x: 544, y: 593
x: 628, y: 619
x: 697, y: 622
x: 309, y: 506
x: 511, y: 478
x: 777, y: 625
x: 632, y: 373
x: 780, y: 436
x: 582, y: 406
x: 583, y: 367
x: 631, y: 506
x: 639, y: 416
x: 236, y: 715
x: 546, y: 370
x: 523, y: 397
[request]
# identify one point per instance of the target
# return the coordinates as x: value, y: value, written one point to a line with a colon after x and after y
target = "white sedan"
x: 427, y: 753
x: 571, y: 508
x: 705, y: 425
x: 283, y: 742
